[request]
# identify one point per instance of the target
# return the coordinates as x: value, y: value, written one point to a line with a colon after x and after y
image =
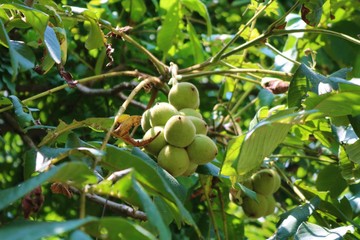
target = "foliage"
x: 279, y: 88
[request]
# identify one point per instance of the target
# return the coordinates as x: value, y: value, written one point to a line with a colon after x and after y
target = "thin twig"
x: 100, y: 77
x: 124, y: 106
x: 122, y: 209
x: 232, y: 71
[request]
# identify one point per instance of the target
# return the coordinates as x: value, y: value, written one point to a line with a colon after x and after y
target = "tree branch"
x: 122, y: 209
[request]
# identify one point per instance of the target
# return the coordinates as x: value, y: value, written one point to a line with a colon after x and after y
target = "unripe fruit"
x: 145, y: 120
x: 179, y: 131
x: 253, y: 208
x: 184, y: 95
x: 160, y: 113
x: 200, y: 125
x: 202, y: 150
x: 265, y: 181
x: 277, y: 180
x: 191, y: 169
x: 271, y: 204
x: 190, y: 112
x: 158, y: 143
x: 174, y: 160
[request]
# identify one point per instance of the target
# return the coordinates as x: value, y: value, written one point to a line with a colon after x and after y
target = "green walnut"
x: 179, y: 131
x: 145, y: 120
x: 200, y: 125
x: 271, y: 204
x: 184, y: 95
x: 277, y: 180
x: 255, y: 208
x: 160, y: 113
x: 190, y: 112
x: 158, y: 143
x: 191, y: 169
x: 174, y: 160
x: 265, y: 181
x: 202, y: 150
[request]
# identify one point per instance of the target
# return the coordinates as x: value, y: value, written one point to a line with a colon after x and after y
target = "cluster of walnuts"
x: 265, y: 183
x: 180, y: 143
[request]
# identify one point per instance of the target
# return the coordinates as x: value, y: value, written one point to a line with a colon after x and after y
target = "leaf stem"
x: 278, y: 32
x: 281, y: 54
x: 123, y: 107
x: 234, y: 71
x: 218, y: 56
x: 82, y: 204
x: 303, y: 156
x: 211, y: 212
x: 289, y: 182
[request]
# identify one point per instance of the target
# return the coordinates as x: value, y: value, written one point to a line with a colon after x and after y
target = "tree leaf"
x: 96, y: 37
x: 169, y: 28
x: 52, y: 44
x: 353, y: 151
x: 355, y: 123
x: 332, y: 104
x: 310, y: 231
x: 198, y: 51
x: 246, y: 152
x: 199, y: 7
x: 335, y: 184
x: 118, y: 228
x: 29, y: 230
x: 151, y: 211
x: 37, y: 19
x: 311, y: 11
x: 291, y: 220
x: 24, y: 118
x: 208, y: 169
x: 137, y: 9
x: 72, y: 173
x: 79, y: 235
x: 298, y: 88
x: 100, y: 124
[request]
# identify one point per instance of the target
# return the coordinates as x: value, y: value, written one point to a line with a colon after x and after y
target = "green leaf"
x: 96, y: 37
x: 311, y: 11
x: 79, y: 235
x: 199, y: 7
x: 208, y: 169
x: 335, y: 104
x: 72, y: 173
x: 37, y: 19
x: 151, y: 211
x: 52, y: 44
x: 100, y: 124
x: 149, y: 174
x: 118, y: 228
x: 23, y: 54
x: 246, y: 152
x: 353, y: 151
x: 137, y: 9
x: 197, y: 49
x: 169, y: 28
x: 29, y: 230
x: 24, y: 118
x: 298, y: 88
x: 291, y: 220
x: 312, y: 231
x: 330, y: 179
x: 355, y: 123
